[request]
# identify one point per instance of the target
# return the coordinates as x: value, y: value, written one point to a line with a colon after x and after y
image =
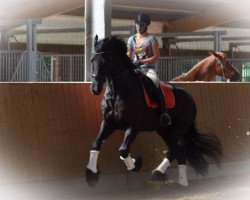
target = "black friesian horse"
x: 124, y: 108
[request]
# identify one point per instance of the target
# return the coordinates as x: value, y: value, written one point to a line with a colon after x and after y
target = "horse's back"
x: 184, y: 102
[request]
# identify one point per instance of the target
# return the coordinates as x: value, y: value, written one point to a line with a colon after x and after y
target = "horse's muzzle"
x: 236, y: 77
x: 96, y: 87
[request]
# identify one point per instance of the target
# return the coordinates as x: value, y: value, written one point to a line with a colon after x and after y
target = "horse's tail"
x: 198, y: 146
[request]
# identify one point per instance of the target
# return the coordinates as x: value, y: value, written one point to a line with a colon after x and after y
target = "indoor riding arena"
x: 49, y: 117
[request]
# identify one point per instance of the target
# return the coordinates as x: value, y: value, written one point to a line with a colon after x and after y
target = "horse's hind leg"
x: 92, y: 172
x: 175, y: 151
x: 158, y: 173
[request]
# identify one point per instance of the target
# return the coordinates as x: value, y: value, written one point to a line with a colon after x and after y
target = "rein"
x: 221, y: 66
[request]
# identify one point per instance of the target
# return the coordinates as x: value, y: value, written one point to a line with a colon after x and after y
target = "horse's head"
x: 225, y: 68
x: 100, y: 65
x: 107, y: 58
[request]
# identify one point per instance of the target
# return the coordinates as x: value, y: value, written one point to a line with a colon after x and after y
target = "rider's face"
x: 141, y: 28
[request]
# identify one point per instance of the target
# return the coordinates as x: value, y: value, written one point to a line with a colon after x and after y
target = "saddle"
x: 149, y: 96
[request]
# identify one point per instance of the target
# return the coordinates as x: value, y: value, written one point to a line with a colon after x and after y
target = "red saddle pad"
x: 169, y: 97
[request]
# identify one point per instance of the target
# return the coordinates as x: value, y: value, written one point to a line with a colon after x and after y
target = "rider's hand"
x: 137, y: 63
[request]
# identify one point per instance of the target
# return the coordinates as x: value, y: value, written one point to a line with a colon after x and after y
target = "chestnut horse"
x: 214, y: 65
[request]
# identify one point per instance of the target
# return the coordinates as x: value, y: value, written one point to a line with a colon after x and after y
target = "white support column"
x: 217, y: 42
x: 32, y: 50
x: 217, y: 47
x: 97, y: 22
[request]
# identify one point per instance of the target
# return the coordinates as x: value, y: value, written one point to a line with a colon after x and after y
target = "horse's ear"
x: 211, y: 52
x: 95, y: 40
x: 217, y: 54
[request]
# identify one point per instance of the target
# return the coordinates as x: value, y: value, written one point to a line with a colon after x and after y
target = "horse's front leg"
x: 133, y: 164
x: 92, y: 175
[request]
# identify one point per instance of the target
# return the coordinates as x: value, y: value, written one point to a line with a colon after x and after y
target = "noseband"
x: 222, y: 66
x: 98, y: 53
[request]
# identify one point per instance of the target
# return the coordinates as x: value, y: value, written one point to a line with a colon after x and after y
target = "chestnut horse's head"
x: 224, y: 68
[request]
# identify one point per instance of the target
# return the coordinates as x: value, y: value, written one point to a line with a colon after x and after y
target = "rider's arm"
x: 129, y: 53
x: 130, y: 47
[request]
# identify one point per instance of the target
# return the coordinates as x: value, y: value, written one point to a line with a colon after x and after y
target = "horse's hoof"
x: 138, y: 164
x: 158, y: 176
x: 183, y: 182
x: 91, y: 178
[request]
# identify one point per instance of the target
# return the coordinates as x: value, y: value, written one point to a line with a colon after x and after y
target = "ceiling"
x: 184, y: 15
x: 177, y: 15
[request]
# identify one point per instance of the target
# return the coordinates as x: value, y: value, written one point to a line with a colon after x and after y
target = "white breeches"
x: 152, y: 75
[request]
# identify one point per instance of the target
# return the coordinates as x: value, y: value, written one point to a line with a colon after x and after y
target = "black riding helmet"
x: 142, y: 18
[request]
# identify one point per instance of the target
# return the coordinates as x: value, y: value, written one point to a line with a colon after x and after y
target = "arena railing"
x: 70, y: 68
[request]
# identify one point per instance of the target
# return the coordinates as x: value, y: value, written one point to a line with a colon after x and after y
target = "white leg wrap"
x: 183, y: 175
x: 129, y: 162
x: 163, y: 166
x: 93, y: 156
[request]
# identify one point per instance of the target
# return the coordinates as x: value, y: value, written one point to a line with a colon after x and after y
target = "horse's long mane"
x: 114, y: 44
x: 117, y: 46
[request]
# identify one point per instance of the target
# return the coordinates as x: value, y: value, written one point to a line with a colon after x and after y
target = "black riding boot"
x: 165, y: 117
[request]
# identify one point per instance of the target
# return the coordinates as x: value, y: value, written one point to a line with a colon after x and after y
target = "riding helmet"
x: 142, y: 18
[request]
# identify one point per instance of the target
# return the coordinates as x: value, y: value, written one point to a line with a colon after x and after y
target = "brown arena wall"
x: 46, y: 130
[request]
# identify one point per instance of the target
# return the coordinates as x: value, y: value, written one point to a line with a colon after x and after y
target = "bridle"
x: 222, y: 67
x: 93, y: 54
x: 107, y: 77
x: 98, y: 53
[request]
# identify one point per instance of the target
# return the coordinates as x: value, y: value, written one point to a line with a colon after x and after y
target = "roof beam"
x: 209, y: 18
x: 27, y: 9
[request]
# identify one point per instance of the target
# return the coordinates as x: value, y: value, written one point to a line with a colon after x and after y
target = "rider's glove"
x: 137, y: 63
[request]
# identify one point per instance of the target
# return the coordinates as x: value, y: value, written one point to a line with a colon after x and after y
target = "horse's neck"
x: 120, y: 66
x: 191, y: 75
x: 125, y: 78
x: 203, y: 71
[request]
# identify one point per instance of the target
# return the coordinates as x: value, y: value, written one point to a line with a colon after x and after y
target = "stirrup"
x: 165, y: 119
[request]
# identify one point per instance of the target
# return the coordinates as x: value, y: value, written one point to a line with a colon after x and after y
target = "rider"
x: 144, y: 49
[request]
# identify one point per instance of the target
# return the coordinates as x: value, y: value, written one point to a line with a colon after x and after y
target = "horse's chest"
x: 113, y: 110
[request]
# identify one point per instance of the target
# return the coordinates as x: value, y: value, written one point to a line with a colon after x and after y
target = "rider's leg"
x: 165, y: 116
